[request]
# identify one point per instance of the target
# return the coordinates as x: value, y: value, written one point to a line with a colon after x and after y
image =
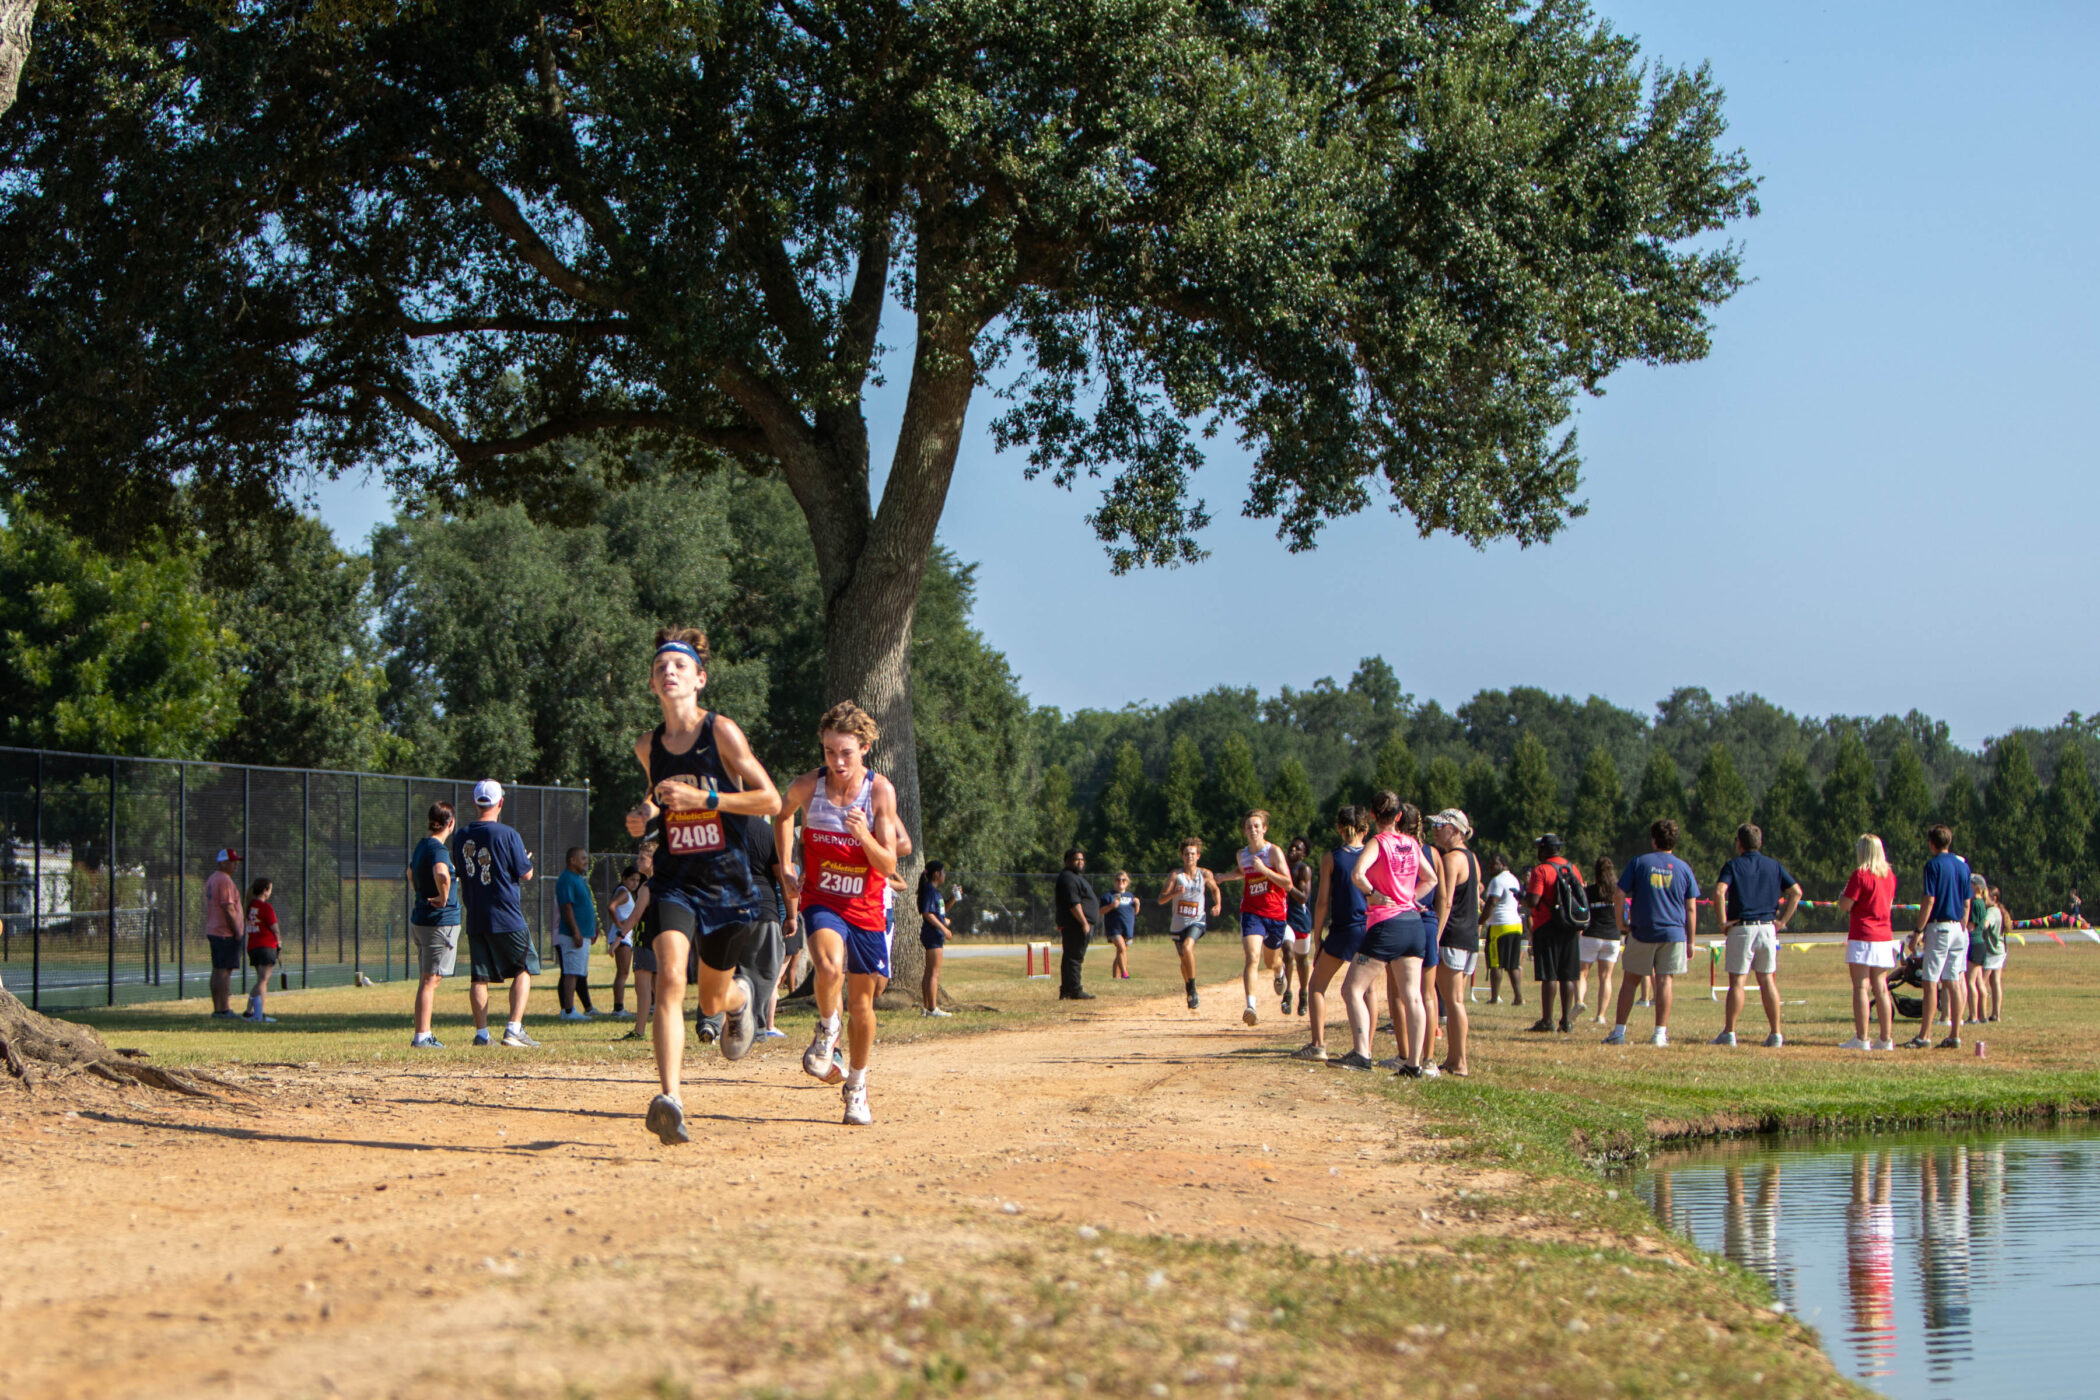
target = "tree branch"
x: 533, y: 250
x: 863, y: 318
x: 558, y: 427
x: 515, y: 325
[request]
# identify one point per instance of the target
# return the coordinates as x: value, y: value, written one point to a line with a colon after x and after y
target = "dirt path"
x: 516, y: 1232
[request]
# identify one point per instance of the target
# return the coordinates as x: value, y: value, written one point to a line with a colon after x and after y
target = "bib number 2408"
x: 693, y: 837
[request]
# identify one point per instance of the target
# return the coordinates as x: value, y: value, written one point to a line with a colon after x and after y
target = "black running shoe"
x: 1194, y: 1000
x: 1352, y: 1060
x: 1542, y: 1024
x: 709, y: 1029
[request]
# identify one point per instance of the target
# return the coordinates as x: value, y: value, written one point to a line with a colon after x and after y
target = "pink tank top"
x: 1396, y: 863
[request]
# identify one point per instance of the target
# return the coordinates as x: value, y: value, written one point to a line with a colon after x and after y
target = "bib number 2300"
x: 692, y: 835
x: 838, y: 882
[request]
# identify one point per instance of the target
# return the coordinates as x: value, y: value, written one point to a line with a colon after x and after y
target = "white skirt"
x: 1863, y: 953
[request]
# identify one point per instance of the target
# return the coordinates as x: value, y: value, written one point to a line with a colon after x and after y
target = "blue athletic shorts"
x: 1342, y: 944
x: 1269, y: 931
x: 867, y: 950
x: 1398, y: 937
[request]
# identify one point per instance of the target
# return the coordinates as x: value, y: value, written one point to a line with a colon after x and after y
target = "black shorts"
x: 499, y: 957
x: 263, y: 957
x: 645, y: 959
x: 225, y: 954
x: 931, y: 941
x: 724, y: 949
x: 1556, y: 957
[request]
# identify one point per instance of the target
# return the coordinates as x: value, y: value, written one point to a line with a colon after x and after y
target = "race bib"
x: 847, y: 883
x: 692, y: 833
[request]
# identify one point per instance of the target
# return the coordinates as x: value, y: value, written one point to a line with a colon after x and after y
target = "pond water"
x: 1936, y: 1266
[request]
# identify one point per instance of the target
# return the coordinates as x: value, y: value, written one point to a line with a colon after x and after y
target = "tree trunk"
x: 15, y: 18
x: 871, y: 578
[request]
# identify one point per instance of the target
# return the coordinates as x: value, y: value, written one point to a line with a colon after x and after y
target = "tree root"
x: 38, y: 1050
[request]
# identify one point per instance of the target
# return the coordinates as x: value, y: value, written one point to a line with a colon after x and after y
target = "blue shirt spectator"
x: 1947, y: 886
x: 1756, y: 883
x: 1660, y: 887
x: 422, y: 873
x: 573, y: 892
x: 1119, y: 914
x: 490, y: 864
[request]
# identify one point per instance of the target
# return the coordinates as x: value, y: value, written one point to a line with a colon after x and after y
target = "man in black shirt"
x: 1074, y: 898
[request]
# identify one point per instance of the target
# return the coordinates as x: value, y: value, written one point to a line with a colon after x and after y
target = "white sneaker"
x: 515, y: 1036
x: 856, y: 1097
x: 818, y: 1061
x: 574, y: 1016
x: 770, y: 1034
x: 938, y: 1012
x: 1250, y: 1015
x: 1856, y: 1044
x: 1662, y: 1037
x: 1774, y: 1041
x: 426, y: 1041
x: 1432, y: 1072
x: 1724, y: 1038
x: 1279, y: 984
x: 1884, y: 1045
x: 1617, y: 1036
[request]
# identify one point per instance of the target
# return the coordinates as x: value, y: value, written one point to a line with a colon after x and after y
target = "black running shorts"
x: 723, y: 948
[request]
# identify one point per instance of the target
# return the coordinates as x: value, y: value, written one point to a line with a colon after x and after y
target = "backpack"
x: 1571, y: 902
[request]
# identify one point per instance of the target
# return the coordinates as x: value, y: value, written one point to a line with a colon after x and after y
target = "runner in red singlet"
x: 1264, y: 907
x: 851, y: 839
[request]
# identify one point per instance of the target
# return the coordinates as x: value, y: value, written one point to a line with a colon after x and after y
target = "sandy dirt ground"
x: 516, y: 1231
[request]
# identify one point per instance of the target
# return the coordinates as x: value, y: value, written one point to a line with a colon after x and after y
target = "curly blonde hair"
x: 846, y: 717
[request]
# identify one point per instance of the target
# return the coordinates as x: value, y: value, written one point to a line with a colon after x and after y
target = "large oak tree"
x: 1385, y: 243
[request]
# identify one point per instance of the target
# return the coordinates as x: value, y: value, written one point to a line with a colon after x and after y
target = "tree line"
x: 1129, y: 784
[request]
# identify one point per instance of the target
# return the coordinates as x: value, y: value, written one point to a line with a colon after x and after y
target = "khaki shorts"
x: 1663, y: 959
x: 1751, y: 948
x: 437, y: 949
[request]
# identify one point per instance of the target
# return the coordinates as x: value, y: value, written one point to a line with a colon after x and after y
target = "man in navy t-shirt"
x: 493, y: 865
x: 1756, y: 897
x: 1943, y: 934
x: 433, y: 919
x: 1662, y: 919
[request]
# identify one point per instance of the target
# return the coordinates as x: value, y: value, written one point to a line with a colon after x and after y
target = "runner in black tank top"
x: 1459, y: 934
x: 701, y: 776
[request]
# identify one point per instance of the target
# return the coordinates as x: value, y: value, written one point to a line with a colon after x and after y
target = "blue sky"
x: 1870, y: 498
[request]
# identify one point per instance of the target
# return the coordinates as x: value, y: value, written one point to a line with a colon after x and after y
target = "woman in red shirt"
x: 1870, y: 951
x: 263, y: 946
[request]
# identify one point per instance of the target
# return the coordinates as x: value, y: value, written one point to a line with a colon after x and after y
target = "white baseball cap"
x: 488, y: 793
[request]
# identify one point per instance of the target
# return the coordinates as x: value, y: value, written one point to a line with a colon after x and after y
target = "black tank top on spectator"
x: 702, y: 859
x: 1603, y: 910
x: 1345, y: 902
x: 757, y: 835
x: 1463, y: 930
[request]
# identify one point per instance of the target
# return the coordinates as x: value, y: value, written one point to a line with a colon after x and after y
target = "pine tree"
x: 1787, y: 815
x: 1181, y: 802
x: 1484, y: 805
x: 1720, y: 804
x: 1394, y: 768
x: 1235, y: 789
x: 1845, y: 809
x: 1443, y: 785
x: 1056, y: 824
x: 2011, y: 840
x: 1291, y: 805
x: 1661, y: 796
x: 1905, y: 810
x: 1120, y: 827
x: 1600, y: 808
x: 2068, y: 816
x: 1531, y: 794
x: 1961, y: 811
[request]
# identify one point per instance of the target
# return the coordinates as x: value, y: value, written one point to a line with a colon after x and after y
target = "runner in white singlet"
x: 1184, y: 893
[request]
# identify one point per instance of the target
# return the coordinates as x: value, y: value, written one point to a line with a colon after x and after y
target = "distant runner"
x: 1262, y: 906
x: 1184, y: 893
x: 1119, y: 909
x: 1299, y: 923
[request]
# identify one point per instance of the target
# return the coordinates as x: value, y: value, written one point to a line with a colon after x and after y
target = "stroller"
x: 1909, y: 972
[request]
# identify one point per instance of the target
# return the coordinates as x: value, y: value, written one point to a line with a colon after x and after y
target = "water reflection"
x: 1935, y: 1266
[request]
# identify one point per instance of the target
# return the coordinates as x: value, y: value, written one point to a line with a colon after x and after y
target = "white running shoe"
x: 1432, y: 1072
x: 574, y: 1016
x: 426, y: 1041
x: 1884, y: 1045
x: 666, y: 1118
x: 1724, y: 1038
x: 1661, y: 1037
x: 816, y: 1061
x: 1774, y: 1041
x: 1617, y: 1036
x: 770, y: 1034
x: 1856, y: 1044
x: 1250, y: 1015
x: 740, y: 1027
x: 515, y: 1036
x: 856, y: 1097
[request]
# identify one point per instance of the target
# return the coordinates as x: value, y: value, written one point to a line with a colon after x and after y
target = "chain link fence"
x: 103, y: 862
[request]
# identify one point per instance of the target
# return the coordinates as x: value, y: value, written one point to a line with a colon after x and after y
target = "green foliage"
x: 1787, y: 814
x: 1056, y: 823
x: 1961, y: 810
x: 1181, y: 800
x: 1906, y: 809
x: 1530, y: 795
x: 301, y: 610
x: 1661, y: 796
x: 1443, y: 784
x: 1394, y: 768
x: 1845, y: 810
x: 1291, y: 805
x: 2068, y: 814
x: 2011, y: 841
x: 1484, y: 804
x: 1599, y: 813
x: 108, y: 655
x: 1720, y: 804
x: 1235, y: 790
x: 1120, y: 823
